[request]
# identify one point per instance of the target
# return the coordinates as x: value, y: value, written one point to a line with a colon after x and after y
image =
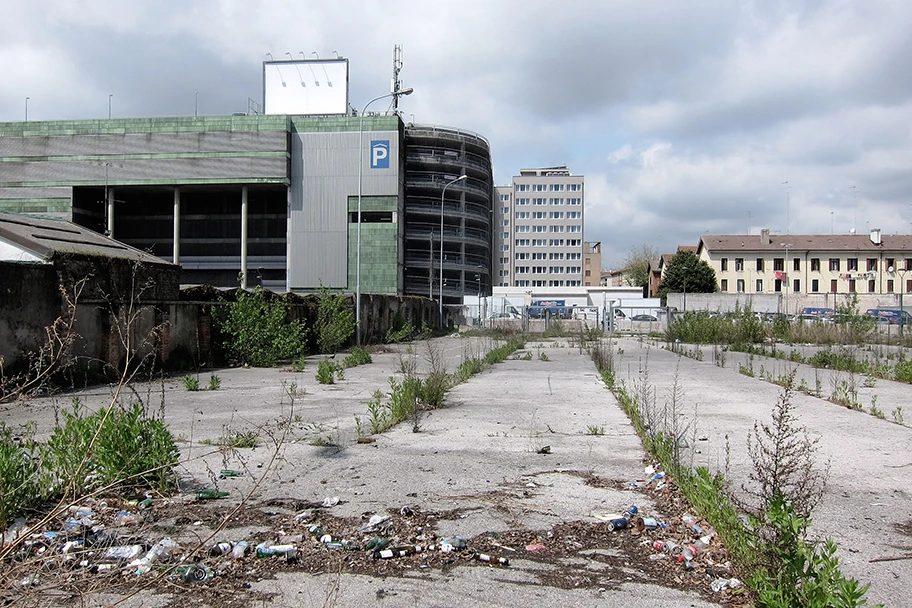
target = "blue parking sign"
x: 380, y: 154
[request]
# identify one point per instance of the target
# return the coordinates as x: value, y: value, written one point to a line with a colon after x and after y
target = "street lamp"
x: 902, y: 279
x: 407, y: 91
x: 442, y: 194
x: 785, y: 271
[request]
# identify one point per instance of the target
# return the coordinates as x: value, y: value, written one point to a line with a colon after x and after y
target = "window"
x: 574, y: 256
x: 539, y: 269
x: 834, y: 285
x: 574, y: 243
x: 574, y: 228
x: 834, y: 266
x: 907, y: 264
x: 539, y: 215
x: 852, y: 264
x: 556, y: 269
x: 522, y: 242
x: 778, y: 264
x: 759, y: 285
x: 724, y: 265
x: 505, y: 248
x: 777, y: 285
x: 796, y: 286
x: 796, y: 264
x: 522, y: 201
x: 557, y: 187
x: 539, y: 188
x: 555, y: 228
x: 575, y: 187
x: 522, y: 270
x: 539, y: 242
x: 555, y: 256
x: 539, y: 255
x: 871, y: 286
x: 908, y: 285
x: 505, y: 210
x: 522, y: 187
x: 851, y: 285
x: 504, y: 273
x: 556, y: 215
x: 740, y: 285
x: 815, y: 264
x: 522, y: 215
x: 504, y: 222
x: 556, y: 201
x: 815, y: 285
x: 588, y: 273
x: 539, y: 201
x: 872, y: 264
x: 739, y: 264
x: 523, y: 229
x: 574, y: 215
x: 759, y: 265
x: 505, y: 198
x: 556, y: 243
x: 723, y: 284
x: 574, y: 201
x: 889, y: 285
x: 504, y: 235
x: 539, y: 228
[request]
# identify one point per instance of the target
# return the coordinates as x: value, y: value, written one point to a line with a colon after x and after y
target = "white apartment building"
x: 539, y: 230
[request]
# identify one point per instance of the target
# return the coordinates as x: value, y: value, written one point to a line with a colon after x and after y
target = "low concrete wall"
x: 793, y: 303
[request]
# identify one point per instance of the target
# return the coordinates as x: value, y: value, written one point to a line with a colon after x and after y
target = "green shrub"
x: 404, y: 398
x: 358, y: 356
x: 214, y: 383
x: 903, y: 371
x: 335, y: 322
x: 434, y: 389
x: 326, y: 372
x: 258, y: 331
x: 21, y: 483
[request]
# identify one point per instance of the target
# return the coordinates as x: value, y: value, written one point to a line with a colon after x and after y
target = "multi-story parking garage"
x: 434, y: 158
x: 271, y: 199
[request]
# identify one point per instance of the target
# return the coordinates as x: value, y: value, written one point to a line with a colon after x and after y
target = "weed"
x: 235, y: 439
x: 876, y: 411
x: 214, y: 383
x: 335, y: 322
x: 379, y: 414
x: 782, y: 454
x: 358, y: 356
x: 408, y: 362
x: 327, y: 371
x: 191, y: 383
x: 592, y: 429
x: 298, y: 364
x: 21, y: 486
x: 898, y: 417
x: 543, y: 357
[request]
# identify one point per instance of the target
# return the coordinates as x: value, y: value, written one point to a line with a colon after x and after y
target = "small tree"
x: 687, y: 272
x: 636, y: 265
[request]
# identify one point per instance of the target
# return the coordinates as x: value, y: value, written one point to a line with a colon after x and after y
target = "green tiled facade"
x: 379, y: 247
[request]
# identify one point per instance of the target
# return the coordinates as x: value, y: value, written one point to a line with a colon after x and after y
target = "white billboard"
x: 306, y: 87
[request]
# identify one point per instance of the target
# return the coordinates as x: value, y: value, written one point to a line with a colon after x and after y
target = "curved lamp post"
x: 902, y: 280
x: 442, y: 194
x: 407, y: 91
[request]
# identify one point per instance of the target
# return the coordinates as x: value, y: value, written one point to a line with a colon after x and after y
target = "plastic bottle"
x: 315, y: 530
x: 210, y: 494
x: 239, y: 549
x: 123, y: 553
x: 222, y: 548
x: 229, y: 473
x: 124, y: 518
x: 689, y: 552
x: 266, y: 550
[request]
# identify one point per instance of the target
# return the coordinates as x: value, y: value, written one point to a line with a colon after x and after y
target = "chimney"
x: 765, y: 236
x: 875, y: 236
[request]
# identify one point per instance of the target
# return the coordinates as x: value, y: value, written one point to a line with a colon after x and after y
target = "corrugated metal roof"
x: 45, y: 237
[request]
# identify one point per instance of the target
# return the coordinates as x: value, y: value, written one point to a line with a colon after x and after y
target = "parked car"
x: 643, y: 318
x: 890, y: 316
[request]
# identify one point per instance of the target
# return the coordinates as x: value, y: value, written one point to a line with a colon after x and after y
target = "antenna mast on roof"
x: 396, y: 84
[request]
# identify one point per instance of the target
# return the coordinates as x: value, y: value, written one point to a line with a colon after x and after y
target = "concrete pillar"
x: 244, y: 237
x: 110, y: 203
x: 175, y: 256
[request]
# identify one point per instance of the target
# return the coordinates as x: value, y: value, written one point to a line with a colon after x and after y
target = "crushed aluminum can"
x: 617, y: 524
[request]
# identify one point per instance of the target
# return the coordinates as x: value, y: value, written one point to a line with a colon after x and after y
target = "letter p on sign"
x: 380, y: 154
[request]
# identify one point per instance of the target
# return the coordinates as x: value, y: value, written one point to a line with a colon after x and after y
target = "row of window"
x: 545, y: 243
x: 548, y: 269
x: 542, y: 228
x: 546, y: 215
x: 545, y: 188
x: 544, y: 256
x: 835, y: 264
x: 523, y: 202
x: 815, y: 286
x: 551, y: 283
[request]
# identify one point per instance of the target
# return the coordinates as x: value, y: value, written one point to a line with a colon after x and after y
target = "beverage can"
x: 617, y: 524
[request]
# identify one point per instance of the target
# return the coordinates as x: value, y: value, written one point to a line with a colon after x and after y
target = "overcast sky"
x: 684, y: 116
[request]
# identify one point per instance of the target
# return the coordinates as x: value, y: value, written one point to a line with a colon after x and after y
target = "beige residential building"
x: 810, y: 264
